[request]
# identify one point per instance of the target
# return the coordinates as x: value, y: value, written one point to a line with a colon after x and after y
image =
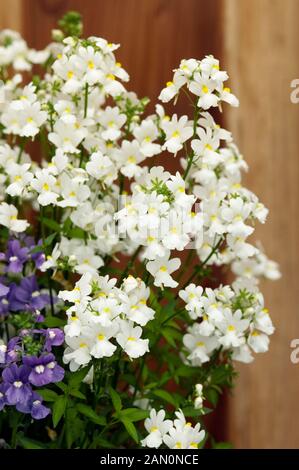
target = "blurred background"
x: 257, y: 43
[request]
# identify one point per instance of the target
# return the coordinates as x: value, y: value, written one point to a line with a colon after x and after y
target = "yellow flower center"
x: 163, y: 269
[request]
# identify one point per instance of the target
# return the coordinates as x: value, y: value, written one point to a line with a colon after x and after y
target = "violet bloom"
x: 38, y: 257
x: 19, y: 389
x: 4, y: 303
x: 3, y: 390
x: 54, y: 337
x: 44, y: 369
x: 16, y: 256
x: 26, y: 296
x: 14, y: 348
x: 34, y: 406
x: 3, y: 290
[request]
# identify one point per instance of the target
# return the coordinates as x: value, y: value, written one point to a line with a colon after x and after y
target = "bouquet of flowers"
x: 117, y: 329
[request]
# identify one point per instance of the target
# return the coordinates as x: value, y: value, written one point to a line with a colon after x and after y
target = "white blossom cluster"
x: 228, y: 319
x: 176, y: 434
x: 14, y: 52
x: 102, y: 317
x: 94, y: 181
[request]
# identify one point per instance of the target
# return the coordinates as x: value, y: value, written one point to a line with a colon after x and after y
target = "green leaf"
x: 116, y: 400
x: 221, y: 445
x: 212, y: 396
x: 62, y: 386
x: 48, y: 241
x: 191, y: 412
x: 59, y: 409
x: 91, y: 414
x: 47, y: 394
x: 75, y: 378
x: 104, y: 443
x: 30, y: 443
x: 76, y: 393
x: 133, y: 414
x: 52, y: 224
x: 132, y: 431
x: 166, y: 396
x: 52, y: 322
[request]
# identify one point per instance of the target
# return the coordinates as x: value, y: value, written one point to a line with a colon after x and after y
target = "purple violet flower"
x: 19, y: 389
x: 54, y: 337
x: 16, y: 256
x: 3, y: 389
x: 13, y: 349
x: 37, y: 257
x: 44, y: 369
x: 34, y: 406
x: 3, y: 290
x: 26, y: 296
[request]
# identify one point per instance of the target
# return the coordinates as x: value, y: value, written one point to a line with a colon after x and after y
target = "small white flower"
x: 177, y: 132
x: 129, y: 339
x: 161, y: 269
x: 157, y: 426
x: 9, y: 218
x: 19, y: 177
x: 45, y: 184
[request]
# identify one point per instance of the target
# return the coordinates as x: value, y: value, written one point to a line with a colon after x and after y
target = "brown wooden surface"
x: 261, y: 54
x: 257, y: 40
x: 11, y: 15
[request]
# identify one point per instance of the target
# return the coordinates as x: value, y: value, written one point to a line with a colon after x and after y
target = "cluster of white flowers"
x: 159, y: 217
x: 203, y: 79
x: 93, y: 180
x: 233, y: 320
x: 102, y: 315
x: 176, y: 434
x: 15, y: 52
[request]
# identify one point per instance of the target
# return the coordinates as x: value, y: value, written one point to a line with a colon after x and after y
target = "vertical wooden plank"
x: 11, y: 14
x: 261, y: 54
x: 154, y: 34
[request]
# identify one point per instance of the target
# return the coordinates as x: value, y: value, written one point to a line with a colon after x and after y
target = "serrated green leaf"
x: 91, y: 414
x: 59, y: 409
x: 116, y: 400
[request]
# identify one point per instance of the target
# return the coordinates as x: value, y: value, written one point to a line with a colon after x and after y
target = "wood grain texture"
x: 154, y: 34
x: 261, y: 55
x: 11, y: 14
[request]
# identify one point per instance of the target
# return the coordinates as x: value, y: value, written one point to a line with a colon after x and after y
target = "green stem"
x: 13, y: 443
x: 195, y: 273
x: 138, y: 377
x: 22, y: 145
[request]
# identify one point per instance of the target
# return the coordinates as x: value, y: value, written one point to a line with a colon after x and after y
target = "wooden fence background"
x: 257, y: 41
